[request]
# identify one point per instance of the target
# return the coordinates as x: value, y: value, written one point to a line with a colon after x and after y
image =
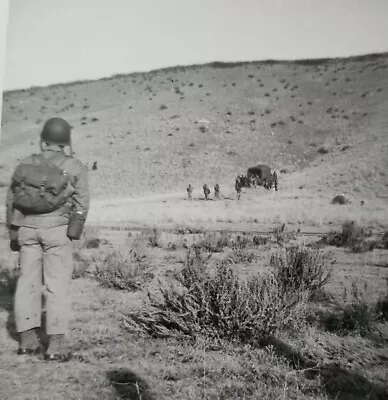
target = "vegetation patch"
x: 353, y: 237
x: 122, y: 270
x: 221, y: 305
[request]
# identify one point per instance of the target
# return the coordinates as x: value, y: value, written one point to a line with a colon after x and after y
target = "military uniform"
x: 206, y: 191
x: 189, y: 191
x: 217, y: 191
x: 237, y: 186
x: 46, y: 252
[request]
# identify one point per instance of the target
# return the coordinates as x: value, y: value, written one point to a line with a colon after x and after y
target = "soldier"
x: 275, y: 180
x: 237, y: 186
x: 189, y: 191
x: 217, y: 191
x: 206, y: 191
x: 42, y: 226
x: 252, y: 181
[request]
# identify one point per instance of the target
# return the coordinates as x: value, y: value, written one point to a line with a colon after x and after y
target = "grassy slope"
x: 322, y: 105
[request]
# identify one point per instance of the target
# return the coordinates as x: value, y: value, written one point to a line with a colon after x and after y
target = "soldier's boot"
x: 29, y: 343
x: 56, y: 349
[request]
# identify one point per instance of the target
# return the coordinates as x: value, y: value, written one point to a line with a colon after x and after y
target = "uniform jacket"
x: 79, y: 201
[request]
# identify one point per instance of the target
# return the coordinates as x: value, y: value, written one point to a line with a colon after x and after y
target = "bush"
x: 154, y: 238
x: 215, y: 242
x: 122, y: 271
x: 323, y: 150
x: 352, y: 236
x: 300, y: 269
x: 339, y: 199
x: 281, y: 235
x: 81, y: 266
x: 8, y: 281
x: 92, y: 243
x: 384, y: 240
x: 358, y: 316
x: 219, y: 306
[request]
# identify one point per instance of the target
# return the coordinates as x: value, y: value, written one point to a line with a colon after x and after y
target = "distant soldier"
x: 237, y: 186
x: 252, y: 181
x: 275, y: 180
x: 362, y: 202
x: 217, y: 191
x: 206, y: 191
x: 189, y: 191
x: 94, y: 167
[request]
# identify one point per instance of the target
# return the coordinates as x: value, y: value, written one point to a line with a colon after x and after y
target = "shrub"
x: 8, y: 281
x: 150, y: 237
x: 122, y: 271
x: 352, y: 236
x: 260, y: 240
x: 323, y: 150
x: 339, y: 199
x: 384, y: 240
x: 92, y: 243
x: 381, y: 308
x: 358, y: 316
x: 81, y: 266
x: 219, y: 306
x: 215, y: 242
x: 300, y: 269
x: 281, y: 235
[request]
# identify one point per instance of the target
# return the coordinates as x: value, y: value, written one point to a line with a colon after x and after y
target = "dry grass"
x: 313, y: 360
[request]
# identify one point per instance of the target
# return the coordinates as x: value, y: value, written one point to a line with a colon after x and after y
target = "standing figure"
x: 275, y: 180
x: 42, y: 222
x: 237, y: 186
x: 217, y: 191
x: 206, y: 191
x: 189, y: 191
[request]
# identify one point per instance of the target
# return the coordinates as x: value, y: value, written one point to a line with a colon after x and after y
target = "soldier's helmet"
x: 56, y: 131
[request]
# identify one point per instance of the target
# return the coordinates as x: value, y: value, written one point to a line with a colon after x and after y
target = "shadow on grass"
x: 129, y: 386
x: 338, y: 382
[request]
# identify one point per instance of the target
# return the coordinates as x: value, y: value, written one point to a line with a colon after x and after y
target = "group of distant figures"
x: 256, y: 176
x: 206, y: 191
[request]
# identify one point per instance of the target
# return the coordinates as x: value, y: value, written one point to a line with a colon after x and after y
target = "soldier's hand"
x: 14, y: 245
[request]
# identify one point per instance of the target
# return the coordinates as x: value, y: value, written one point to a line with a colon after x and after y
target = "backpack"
x: 40, y: 187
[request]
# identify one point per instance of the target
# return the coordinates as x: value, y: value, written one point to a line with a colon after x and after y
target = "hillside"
x: 323, y: 123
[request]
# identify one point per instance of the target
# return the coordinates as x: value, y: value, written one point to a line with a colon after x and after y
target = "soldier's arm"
x: 81, y: 196
x: 9, y: 205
